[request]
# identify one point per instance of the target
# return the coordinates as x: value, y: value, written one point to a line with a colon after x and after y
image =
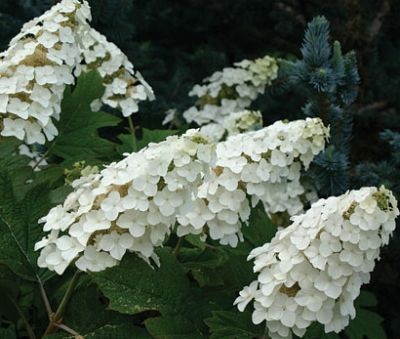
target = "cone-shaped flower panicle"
x: 124, y: 87
x: 313, y: 269
x: 230, y: 91
x: 45, y: 57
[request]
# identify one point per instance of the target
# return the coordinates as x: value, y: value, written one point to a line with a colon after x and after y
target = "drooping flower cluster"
x: 44, y: 57
x: 231, y: 90
x: 235, y: 123
x: 134, y: 204
x: 35, y: 70
x: 313, y: 270
x: 131, y: 205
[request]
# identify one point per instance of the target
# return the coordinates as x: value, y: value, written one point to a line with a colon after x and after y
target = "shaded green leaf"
x: 124, y: 331
x: 87, y: 315
x: 316, y: 331
x: 78, y: 126
x: 260, y: 229
x: 133, y: 286
x: 9, y: 154
x: 233, y: 325
x: 176, y: 327
x: 366, y: 324
x: 19, y: 229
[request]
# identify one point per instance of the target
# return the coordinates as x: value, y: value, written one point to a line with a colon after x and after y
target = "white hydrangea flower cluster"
x: 134, y: 204
x: 45, y: 57
x: 313, y: 269
x: 231, y: 90
x: 131, y: 205
x: 124, y: 87
x: 236, y: 123
x: 35, y: 70
x: 264, y: 165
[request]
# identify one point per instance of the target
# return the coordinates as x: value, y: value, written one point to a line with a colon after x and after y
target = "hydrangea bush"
x: 111, y: 230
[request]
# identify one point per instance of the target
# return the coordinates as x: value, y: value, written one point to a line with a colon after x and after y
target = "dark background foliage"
x: 177, y: 43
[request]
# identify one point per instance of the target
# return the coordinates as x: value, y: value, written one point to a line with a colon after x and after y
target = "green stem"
x: 45, y: 299
x: 44, y: 155
x: 28, y: 327
x: 178, y: 247
x: 68, y: 330
x: 132, y: 130
x: 61, y: 308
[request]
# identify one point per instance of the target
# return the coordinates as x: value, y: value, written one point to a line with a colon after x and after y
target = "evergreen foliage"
x: 329, y: 80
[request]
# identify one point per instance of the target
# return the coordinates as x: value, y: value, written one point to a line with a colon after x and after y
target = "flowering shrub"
x: 134, y: 204
x: 162, y: 221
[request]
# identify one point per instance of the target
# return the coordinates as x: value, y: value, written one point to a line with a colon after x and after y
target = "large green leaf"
x: 9, y: 154
x: 233, y: 325
x: 133, y: 286
x: 19, y: 229
x: 78, y: 126
x: 204, y: 264
x: 176, y: 327
x: 86, y: 314
x: 124, y: 331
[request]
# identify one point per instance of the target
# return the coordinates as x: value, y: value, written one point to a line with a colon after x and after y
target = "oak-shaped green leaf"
x: 173, y: 327
x: 19, y: 228
x: 124, y: 331
x: 87, y: 315
x: 233, y: 325
x: 78, y: 137
x: 133, y: 286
